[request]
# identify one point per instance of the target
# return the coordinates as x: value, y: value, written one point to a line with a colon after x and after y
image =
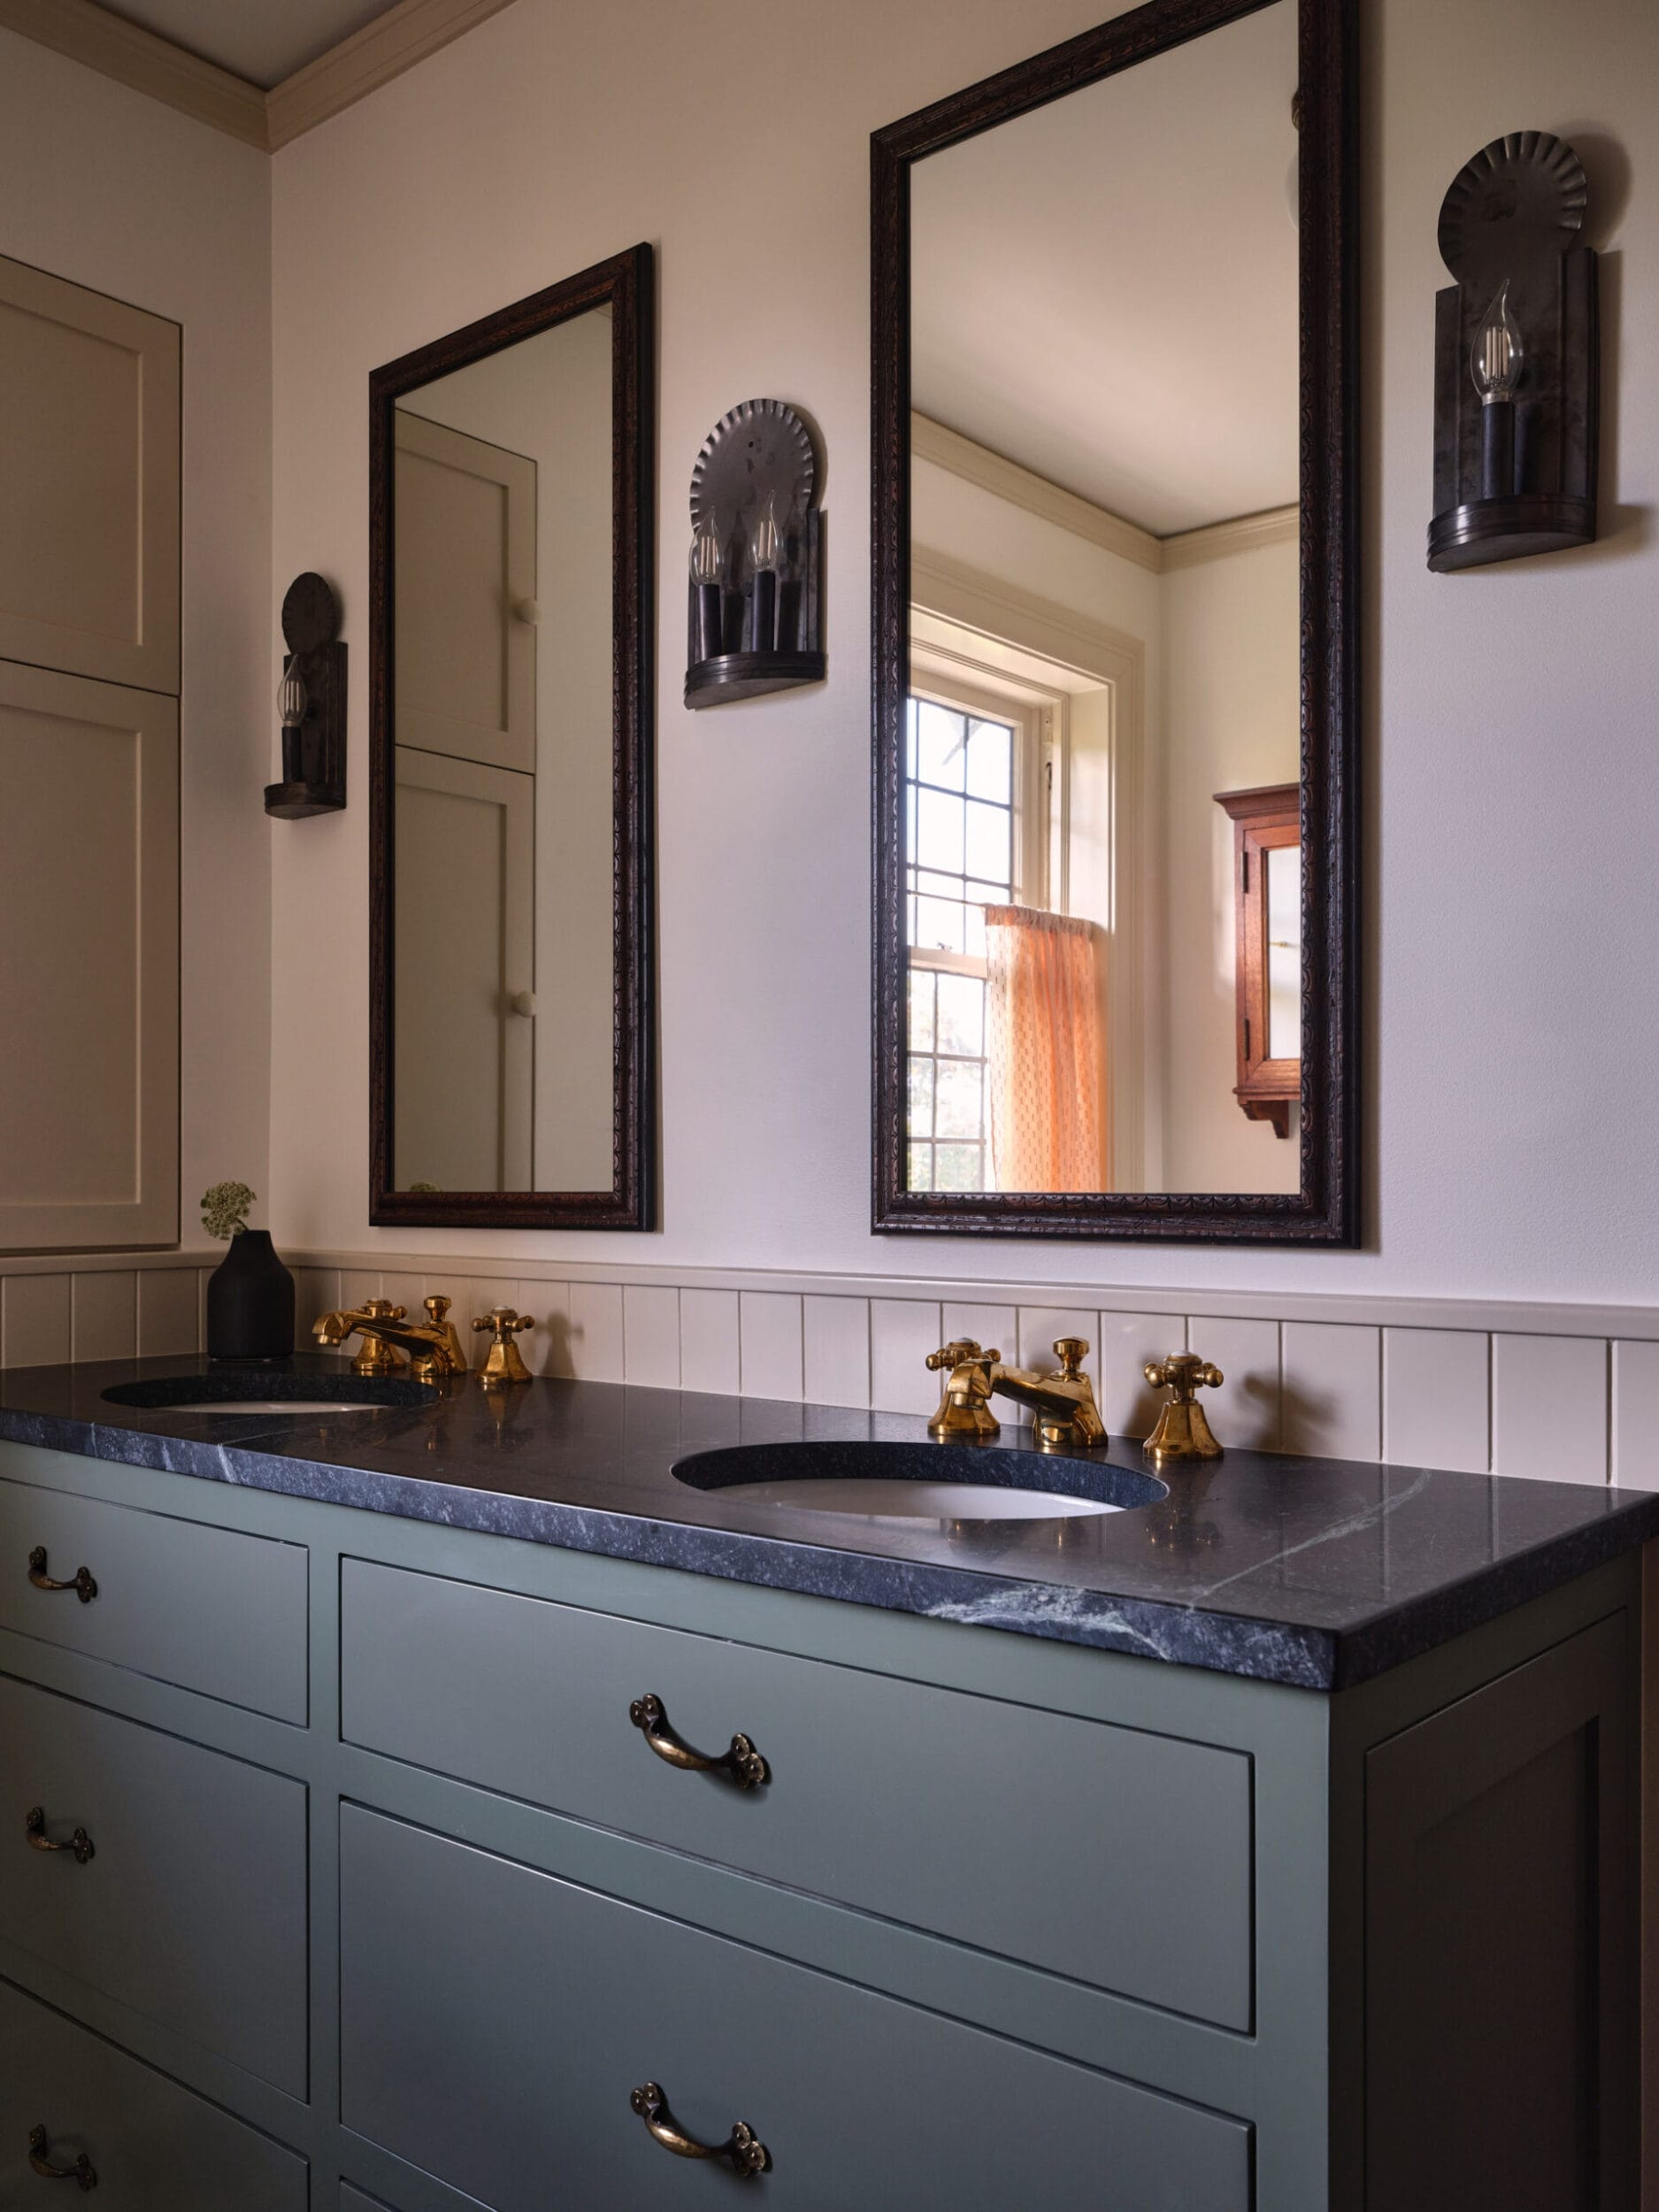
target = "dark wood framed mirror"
x: 1114, y: 423
x: 512, y: 495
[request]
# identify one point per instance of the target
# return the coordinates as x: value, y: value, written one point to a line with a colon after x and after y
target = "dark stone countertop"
x: 1318, y: 1572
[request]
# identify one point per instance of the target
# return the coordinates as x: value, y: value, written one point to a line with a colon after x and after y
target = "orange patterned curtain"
x: 1045, y: 1061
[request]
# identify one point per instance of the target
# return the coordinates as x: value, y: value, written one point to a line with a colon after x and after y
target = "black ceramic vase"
x: 251, y: 1302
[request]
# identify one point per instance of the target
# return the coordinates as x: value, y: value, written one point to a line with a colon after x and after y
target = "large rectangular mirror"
x: 511, y: 956
x: 1114, y: 613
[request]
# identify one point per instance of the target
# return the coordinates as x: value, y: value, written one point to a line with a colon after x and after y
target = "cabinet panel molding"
x: 88, y: 482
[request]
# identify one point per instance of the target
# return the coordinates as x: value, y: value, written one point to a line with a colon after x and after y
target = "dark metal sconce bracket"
x: 314, y: 752
x: 1511, y: 220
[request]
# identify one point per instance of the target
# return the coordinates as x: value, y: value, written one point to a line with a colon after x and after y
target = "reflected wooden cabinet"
x: 89, y: 489
x: 1267, y: 897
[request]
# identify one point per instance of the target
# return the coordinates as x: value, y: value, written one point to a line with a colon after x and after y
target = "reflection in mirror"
x: 1112, y: 593
x: 501, y: 551
x: 1104, y: 626
x: 509, y: 753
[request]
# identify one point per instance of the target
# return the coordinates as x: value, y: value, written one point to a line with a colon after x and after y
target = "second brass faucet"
x: 1062, y: 1401
x: 433, y: 1346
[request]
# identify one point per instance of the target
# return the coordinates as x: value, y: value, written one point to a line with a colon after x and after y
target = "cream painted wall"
x: 1231, y: 722
x: 115, y: 191
x: 1512, y: 1001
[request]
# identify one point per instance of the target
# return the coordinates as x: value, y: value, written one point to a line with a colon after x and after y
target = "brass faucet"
x: 433, y: 1346
x: 1062, y: 1401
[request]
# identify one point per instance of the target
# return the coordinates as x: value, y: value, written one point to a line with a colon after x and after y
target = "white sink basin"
x: 909, y: 1499
x: 290, y: 1405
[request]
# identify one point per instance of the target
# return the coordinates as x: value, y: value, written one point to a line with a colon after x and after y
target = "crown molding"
x: 138, y: 58
x: 1244, y: 533
x: 976, y: 464
x: 369, y: 58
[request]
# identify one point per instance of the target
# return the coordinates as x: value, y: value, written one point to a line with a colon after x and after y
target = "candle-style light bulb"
x: 708, y: 561
x: 1495, y: 361
x: 766, y: 552
x: 1498, y: 355
x: 293, y: 699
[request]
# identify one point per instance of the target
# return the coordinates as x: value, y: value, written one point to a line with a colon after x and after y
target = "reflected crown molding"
x: 147, y: 63
x: 975, y: 463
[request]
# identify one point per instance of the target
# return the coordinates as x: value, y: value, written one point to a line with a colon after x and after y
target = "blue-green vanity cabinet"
x: 393, y: 1891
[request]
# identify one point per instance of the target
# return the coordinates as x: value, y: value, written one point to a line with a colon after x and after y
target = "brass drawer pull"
x: 84, y: 1587
x: 81, y: 2172
x: 34, y: 1829
x: 742, y: 2147
x: 743, y: 1763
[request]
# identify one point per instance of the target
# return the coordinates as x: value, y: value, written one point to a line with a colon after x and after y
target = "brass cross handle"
x: 1183, y: 1432
x: 740, y: 1763
x: 742, y: 2147
x: 82, y: 2172
x: 34, y: 1831
x: 81, y: 1583
x: 504, y: 1364
x: 960, y: 1349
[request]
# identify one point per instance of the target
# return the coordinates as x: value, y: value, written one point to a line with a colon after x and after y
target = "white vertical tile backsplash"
x: 1541, y: 1401
x: 545, y: 1349
x: 167, y: 1317
x: 1549, y: 1406
x: 902, y: 1332
x: 837, y: 1331
x: 1244, y: 1412
x: 1437, y: 1398
x: 770, y: 1344
x: 650, y: 1335
x: 34, y: 1320
x: 1331, y: 1379
x: 709, y: 1342
x: 596, y: 1331
x: 1125, y: 1343
x: 103, y: 1316
x: 1636, y: 1416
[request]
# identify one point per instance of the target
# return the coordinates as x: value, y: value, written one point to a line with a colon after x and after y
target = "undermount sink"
x: 249, y: 1390
x: 915, y: 1484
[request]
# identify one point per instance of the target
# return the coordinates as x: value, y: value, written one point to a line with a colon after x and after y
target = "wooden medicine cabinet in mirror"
x: 1113, y: 393
x: 510, y: 885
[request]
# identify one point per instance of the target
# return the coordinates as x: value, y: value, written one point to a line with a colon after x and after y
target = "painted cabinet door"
x: 88, y: 482
x: 150, y: 2144
x: 495, y: 2021
x: 89, y: 977
x: 191, y: 1907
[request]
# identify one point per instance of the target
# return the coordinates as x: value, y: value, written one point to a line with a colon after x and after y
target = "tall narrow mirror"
x: 510, y: 751
x: 1113, y: 601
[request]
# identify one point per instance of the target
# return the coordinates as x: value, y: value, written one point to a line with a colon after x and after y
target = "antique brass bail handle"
x: 34, y: 1831
x: 741, y: 1763
x: 81, y: 1583
x: 81, y: 2172
x: 747, y: 2153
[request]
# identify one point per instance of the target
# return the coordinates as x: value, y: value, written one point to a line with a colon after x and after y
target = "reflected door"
x: 465, y: 1013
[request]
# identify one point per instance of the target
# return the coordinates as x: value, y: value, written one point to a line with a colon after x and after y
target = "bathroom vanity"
x: 1269, y: 1842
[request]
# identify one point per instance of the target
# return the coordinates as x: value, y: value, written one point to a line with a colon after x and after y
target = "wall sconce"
x: 754, y: 611
x: 1515, y: 363
x: 311, y: 702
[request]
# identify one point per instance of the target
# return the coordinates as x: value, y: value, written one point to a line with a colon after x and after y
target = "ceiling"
x: 1105, y: 290
x: 262, y: 40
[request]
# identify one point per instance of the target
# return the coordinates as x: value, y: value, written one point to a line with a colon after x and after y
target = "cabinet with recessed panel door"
x: 357, y: 1861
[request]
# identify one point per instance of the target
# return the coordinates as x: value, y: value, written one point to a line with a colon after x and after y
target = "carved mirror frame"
x: 626, y: 284
x: 1326, y: 1209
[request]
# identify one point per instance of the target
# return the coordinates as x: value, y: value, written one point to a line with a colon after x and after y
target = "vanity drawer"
x: 192, y: 1908
x: 208, y: 1609
x: 153, y: 2147
x: 494, y: 2020
x: 1049, y: 1838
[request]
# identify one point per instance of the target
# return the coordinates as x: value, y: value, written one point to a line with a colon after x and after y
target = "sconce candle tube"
x: 706, y: 564
x: 1497, y: 448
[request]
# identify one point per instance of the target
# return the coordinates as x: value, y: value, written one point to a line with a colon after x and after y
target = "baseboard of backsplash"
x: 1566, y: 1392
